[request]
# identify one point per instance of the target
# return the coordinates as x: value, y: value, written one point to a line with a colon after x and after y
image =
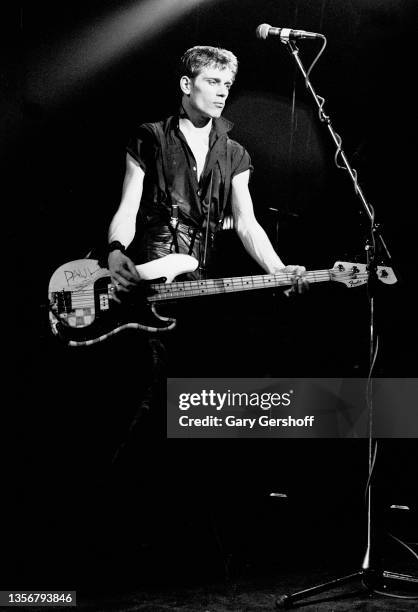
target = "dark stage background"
x: 182, y: 511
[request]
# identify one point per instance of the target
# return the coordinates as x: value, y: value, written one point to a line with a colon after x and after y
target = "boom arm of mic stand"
x: 319, y: 101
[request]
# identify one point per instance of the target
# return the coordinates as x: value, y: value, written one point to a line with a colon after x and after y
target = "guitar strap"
x: 203, y: 262
x: 228, y: 170
x: 162, y: 173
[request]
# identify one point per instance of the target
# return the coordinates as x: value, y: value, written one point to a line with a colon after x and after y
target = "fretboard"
x: 176, y: 290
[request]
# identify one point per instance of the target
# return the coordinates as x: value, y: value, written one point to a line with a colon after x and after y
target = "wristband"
x: 116, y: 246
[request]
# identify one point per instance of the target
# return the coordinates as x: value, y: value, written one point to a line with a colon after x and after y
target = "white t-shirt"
x: 198, y: 141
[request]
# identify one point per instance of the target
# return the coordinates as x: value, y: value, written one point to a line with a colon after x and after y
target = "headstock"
x: 355, y: 274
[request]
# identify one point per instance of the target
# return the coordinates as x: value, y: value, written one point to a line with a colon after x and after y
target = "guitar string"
x: 219, y: 284
x: 85, y: 297
x: 231, y: 286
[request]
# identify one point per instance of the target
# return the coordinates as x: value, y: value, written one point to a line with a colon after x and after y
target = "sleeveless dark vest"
x: 157, y: 234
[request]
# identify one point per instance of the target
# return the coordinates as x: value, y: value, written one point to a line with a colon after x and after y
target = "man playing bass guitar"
x: 183, y: 175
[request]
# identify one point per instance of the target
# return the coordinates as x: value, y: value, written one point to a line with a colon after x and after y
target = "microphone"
x: 285, y: 34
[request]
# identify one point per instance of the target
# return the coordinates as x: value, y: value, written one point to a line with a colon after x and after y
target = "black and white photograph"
x: 211, y: 230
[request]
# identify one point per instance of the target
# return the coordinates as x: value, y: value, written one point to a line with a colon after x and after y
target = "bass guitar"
x: 82, y: 311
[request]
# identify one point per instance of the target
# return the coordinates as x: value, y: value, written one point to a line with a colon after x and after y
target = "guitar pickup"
x: 62, y: 302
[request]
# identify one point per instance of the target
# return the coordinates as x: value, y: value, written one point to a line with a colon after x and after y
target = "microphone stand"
x: 372, y: 578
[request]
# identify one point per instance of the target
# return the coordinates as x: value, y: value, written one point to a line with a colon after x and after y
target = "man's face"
x: 207, y: 93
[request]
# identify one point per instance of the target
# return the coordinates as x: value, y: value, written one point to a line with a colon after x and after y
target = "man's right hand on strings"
x: 123, y: 272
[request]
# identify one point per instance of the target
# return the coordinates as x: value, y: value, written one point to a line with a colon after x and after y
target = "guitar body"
x: 82, y: 311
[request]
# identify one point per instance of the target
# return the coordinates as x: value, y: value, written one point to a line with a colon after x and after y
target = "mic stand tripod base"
x: 372, y: 579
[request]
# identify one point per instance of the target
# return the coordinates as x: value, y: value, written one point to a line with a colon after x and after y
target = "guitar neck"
x: 233, y: 284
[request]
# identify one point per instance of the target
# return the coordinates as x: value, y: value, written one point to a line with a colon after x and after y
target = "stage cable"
x: 402, y: 543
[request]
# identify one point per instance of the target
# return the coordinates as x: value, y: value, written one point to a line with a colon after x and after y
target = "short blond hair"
x: 197, y: 58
